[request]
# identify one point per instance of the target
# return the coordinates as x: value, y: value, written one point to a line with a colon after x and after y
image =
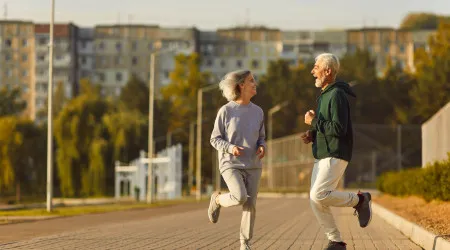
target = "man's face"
x: 321, y: 73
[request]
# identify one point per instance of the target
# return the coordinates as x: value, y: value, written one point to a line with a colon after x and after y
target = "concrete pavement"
x: 281, y: 223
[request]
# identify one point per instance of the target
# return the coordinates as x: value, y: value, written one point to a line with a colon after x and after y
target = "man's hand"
x: 307, y: 137
x: 309, y: 116
x: 237, y: 151
x: 261, y: 152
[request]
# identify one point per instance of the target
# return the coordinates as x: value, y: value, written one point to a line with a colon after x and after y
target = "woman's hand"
x: 261, y: 152
x: 238, y: 151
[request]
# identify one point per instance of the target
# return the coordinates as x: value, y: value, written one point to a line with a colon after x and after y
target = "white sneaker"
x: 214, y: 208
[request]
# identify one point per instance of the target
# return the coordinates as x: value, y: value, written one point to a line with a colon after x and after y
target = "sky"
x: 213, y: 14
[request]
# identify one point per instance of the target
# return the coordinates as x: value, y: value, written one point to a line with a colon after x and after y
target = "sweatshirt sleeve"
x: 218, y: 134
x: 262, y: 133
x: 337, y: 126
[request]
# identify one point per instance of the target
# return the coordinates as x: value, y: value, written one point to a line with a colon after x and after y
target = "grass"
x: 91, y: 209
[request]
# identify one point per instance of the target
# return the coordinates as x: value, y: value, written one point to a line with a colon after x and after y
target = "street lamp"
x: 150, y: 121
x: 50, y: 115
x: 273, y: 110
x: 199, y: 137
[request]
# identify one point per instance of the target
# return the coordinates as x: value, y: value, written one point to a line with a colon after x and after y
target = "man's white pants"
x: 324, y: 179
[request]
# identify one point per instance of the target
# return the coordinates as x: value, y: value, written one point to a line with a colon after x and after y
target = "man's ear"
x: 328, y: 71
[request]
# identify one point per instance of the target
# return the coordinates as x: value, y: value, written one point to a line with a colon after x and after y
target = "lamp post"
x: 50, y: 115
x: 199, y: 137
x: 150, y: 121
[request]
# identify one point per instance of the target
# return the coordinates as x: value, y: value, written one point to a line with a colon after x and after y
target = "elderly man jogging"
x: 332, y: 137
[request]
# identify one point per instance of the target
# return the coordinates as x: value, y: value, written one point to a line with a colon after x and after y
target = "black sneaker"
x: 364, y: 210
x: 333, y: 245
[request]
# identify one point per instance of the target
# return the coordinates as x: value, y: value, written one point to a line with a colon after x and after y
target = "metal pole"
x: 168, y: 139
x: 199, y: 145
x: 399, y: 147
x: 374, y: 165
x: 150, y: 130
x: 50, y: 116
x: 269, y: 150
x: 191, y: 156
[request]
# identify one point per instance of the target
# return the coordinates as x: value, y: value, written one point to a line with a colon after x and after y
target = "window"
x: 288, y: 48
x: 166, y: 74
x: 118, y: 46
x: 134, y: 45
x: 101, y: 77
x: 118, y: 60
x: 41, y: 58
x: 24, y: 57
x: 150, y: 46
x: 7, y: 57
x: 134, y: 60
x: 83, y: 60
x: 386, y: 49
x: 119, y: 77
x: 223, y: 63
x: 209, y: 63
x: 256, y: 49
x: 25, y: 73
x: 402, y: 48
x: 101, y: 45
x: 239, y: 63
x: 8, y: 72
x: 255, y: 64
x: 83, y: 44
x: 8, y: 43
x: 42, y: 41
x: 24, y: 43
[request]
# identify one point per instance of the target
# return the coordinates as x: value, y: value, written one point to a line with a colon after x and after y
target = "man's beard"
x: 320, y: 82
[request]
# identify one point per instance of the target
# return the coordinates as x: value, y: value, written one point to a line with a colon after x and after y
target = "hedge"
x: 430, y: 183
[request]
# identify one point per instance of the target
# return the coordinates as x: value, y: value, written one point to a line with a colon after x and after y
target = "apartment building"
x: 17, y: 60
x: 86, y: 53
x: 124, y: 50
x: 65, y: 62
x: 388, y: 44
x: 239, y: 48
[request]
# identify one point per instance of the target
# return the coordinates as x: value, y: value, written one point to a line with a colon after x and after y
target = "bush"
x: 430, y: 183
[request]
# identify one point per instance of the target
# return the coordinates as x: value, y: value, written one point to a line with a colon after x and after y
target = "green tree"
x: 421, y: 20
x: 59, y: 100
x: 180, y: 99
x: 135, y: 95
x: 432, y: 90
x: 78, y: 131
x: 125, y: 129
x: 10, y: 141
x: 30, y: 160
x: 11, y: 102
x: 181, y: 92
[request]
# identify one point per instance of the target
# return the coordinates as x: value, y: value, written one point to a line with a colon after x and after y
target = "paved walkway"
x: 282, y: 223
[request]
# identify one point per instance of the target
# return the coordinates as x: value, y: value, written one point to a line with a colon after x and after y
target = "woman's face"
x: 248, y: 88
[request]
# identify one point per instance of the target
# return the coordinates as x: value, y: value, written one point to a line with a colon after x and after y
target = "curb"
x: 416, y: 233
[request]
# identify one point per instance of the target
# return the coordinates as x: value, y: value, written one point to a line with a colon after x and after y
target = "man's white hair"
x: 229, y: 84
x: 329, y: 61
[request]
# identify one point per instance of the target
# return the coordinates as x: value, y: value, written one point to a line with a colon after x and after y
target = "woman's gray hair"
x: 330, y: 61
x: 230, y: 84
